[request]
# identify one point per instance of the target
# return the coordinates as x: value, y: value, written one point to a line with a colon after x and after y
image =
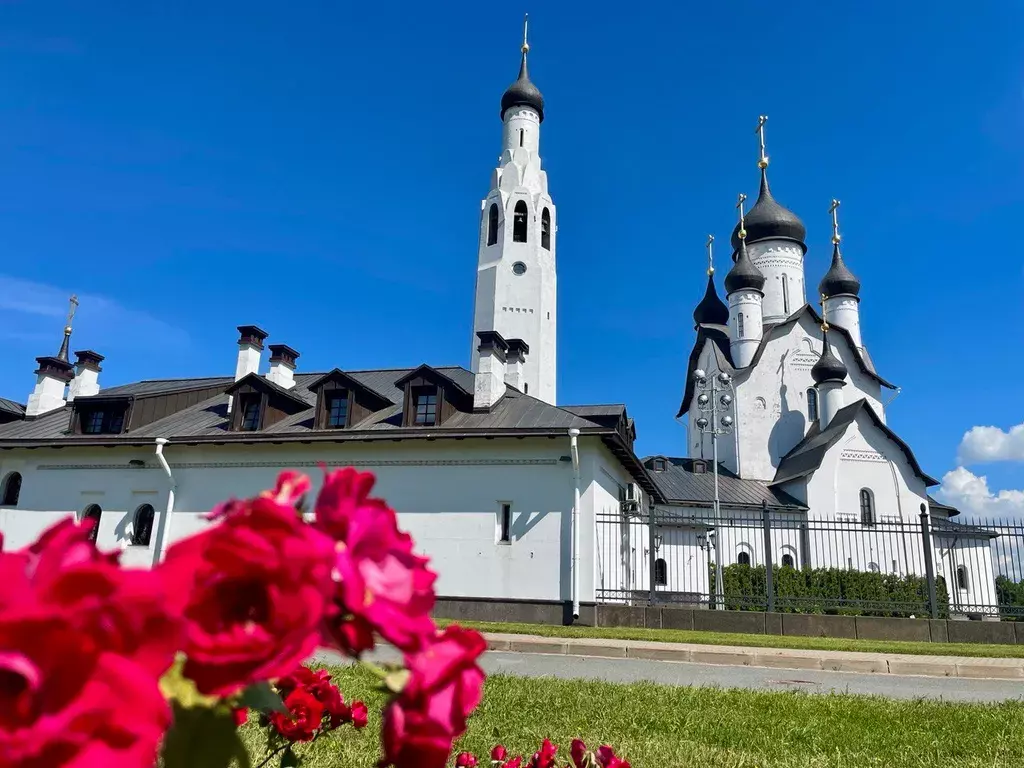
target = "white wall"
x: 447, y: 493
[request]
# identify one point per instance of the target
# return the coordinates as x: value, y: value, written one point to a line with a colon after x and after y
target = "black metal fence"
x: 789, y: 562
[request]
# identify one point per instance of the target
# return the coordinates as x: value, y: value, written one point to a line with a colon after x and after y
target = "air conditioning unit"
x: 632, y: 501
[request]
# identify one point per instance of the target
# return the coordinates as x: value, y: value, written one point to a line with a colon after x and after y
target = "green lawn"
x: 658, y: 726
x: 757, y: 641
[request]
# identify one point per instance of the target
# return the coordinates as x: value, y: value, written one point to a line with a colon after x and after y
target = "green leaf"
x: 262, y: 697
x: 289, y: 759
x: 396, y: 680
x: 203, y: 737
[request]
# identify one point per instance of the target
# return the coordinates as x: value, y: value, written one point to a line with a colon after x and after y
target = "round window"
x: 518, y: 268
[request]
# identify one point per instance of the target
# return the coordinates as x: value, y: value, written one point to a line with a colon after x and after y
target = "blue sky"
x: 317, y: 168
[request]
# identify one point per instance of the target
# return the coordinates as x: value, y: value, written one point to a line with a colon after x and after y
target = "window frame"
x: 545, y: 229
x: 785, y: 294
x: 503, y: 528
x: 963, y: 581
x: 86, y: 515
x: 102, y: 420
x: 813, y: 409
x: 138, y: 529
x: 245, y: 401
x: 792, y: 560
x: 743, y: 558
x: 337, y: 396
x: 492, y: 224
x: 660, y: 572
x: 521, y: 222
x: 868, y: 511
x: 426, y: 392
x: 11, y: 479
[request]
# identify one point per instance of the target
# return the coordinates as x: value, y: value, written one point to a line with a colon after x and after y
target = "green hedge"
x: 1010, y: 595
x: 831, y: 590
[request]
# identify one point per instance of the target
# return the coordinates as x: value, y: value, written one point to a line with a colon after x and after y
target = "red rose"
x: 577, y: 751
x: 514, y: 763
x: 255, y: 587
x: 125, y: 611
x: 65, y: 701
x: 499, y: 753
x: 465, y: 760
x: 382, y: 585
x: 545, y: 756
x: 360, y: 716
x: 606, y: 758
x: 302, y: 720
x: 444, y: 687
x: 241, y: 715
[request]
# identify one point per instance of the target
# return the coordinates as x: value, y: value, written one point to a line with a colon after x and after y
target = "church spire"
x: 711, y: 310
x: 839, y: 280
x: 523, y: 92
x: 743, y: 276
x: 62, y: 355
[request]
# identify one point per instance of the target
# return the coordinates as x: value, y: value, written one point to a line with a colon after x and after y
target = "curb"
x: 830, y: 661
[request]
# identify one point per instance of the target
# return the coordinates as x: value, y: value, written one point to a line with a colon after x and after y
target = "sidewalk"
x: 836, y: 661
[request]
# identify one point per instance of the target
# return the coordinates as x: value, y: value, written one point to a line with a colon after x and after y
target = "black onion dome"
x: 744, y: 274
x: 523, y: 93
x: 768, y: 220
x: 839, y: 279
x: 829, y: 367
x: 711, y: 310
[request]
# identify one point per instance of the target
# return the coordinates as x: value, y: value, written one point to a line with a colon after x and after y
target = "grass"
x: 668, y: 727
x: 755, y: 641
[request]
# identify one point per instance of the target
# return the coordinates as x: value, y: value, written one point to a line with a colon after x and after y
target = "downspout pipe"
x: 574, y: 449
x: 165, y: 518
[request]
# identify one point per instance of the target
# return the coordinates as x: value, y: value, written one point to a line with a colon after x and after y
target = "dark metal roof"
x: 948, y: 527
x: 163, y: 386
x: 711, y: 310
x: 679, y: 484
x: 768, y: 220
x: 717, y: 335
x: 808, y: 454
x: 586, y: 411
x: 743, y: 275
x: 9, y: 406
x: 523, y: 93
x: 935, y: 504
x: 829, y: 367
x: 839, y: 279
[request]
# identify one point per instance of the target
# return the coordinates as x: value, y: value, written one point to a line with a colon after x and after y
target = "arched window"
x: 519, y: 222
x: 142, y: 526
x: 785, y: 294
x: 961, y: 578
x: 492, y: 224
x: 788, y: 562
x: 812, y: 404
x: 873, y: 567
x: 545, y: 230
x: 91, y: 516
x: 12, y: 490
x: 743, y: 558
x: 660, y: 573
x: 867, y: 507
x: 739, y: 325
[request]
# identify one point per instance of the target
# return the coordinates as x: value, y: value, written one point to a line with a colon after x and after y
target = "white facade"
x: 448, y: 495
x: 782, y: 264
x: 516, y: 282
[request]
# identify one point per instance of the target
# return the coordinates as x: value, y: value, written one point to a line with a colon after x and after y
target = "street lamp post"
x: 716, y: 399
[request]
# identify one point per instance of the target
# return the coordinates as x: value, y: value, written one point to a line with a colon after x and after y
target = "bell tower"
x: 515, y: 279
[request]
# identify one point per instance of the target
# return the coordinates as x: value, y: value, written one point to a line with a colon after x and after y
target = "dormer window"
x: 700, y: 467
x: 250, y: 407
x: 660, y: 465
x: 337, y: 409
x: 102, y: 421
x: 425, y: 406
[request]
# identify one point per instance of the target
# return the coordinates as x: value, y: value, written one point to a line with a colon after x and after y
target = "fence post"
x: 769, y: 565
x: 929, y: 566
x: 650, y: 550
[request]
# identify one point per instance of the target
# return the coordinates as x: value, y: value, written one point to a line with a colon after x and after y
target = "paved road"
x: 678, y: 673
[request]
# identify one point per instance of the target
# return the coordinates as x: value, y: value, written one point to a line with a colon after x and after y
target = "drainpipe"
x: 165, y: 518
x: 575, y: 451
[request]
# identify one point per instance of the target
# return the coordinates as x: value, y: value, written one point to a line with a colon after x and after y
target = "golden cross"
x: 834, y: 210
x: 71, y: 313
x: 824, y: 322
x: 526, y: 21
x: 761, y: 120
x: 711, y: 258
x: 743, y: 225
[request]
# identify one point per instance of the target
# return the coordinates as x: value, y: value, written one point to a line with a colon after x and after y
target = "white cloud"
x: 970, y: 494
x: 982, y: 444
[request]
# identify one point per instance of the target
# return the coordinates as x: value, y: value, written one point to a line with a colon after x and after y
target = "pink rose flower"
x: 381, y: 585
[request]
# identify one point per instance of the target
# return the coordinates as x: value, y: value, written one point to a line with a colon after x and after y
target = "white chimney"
x: 514, y: 359
x: 282, y: 365
x: 87, y: 375
x: 250, y: 346
x: 489, y: 384
x: 52, y: 376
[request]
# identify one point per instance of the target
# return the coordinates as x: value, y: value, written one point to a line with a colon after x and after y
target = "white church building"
x: 527, y: 507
